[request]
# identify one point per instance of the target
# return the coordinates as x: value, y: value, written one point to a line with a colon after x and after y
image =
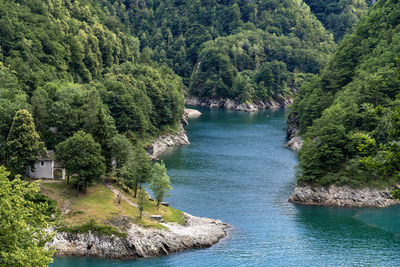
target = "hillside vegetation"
x: 64, y: 61
x: 244, y: 50
x: 349, y: 114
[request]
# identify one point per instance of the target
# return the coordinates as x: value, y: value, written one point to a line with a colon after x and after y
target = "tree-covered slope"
x: 75, y: 68
x: 209, y: 43
x: 338, y: 16
x: 349, y: 114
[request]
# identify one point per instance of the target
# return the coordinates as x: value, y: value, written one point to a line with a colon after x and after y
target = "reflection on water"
x: 237, y: 170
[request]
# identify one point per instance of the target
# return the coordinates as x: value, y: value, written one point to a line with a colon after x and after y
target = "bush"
x: 93, y: 227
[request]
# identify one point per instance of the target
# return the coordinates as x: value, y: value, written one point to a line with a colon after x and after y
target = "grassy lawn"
x: 100, y: 205
x: 168, y: 214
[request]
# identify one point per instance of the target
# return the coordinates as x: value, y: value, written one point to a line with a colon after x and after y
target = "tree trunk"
x: 119, y: 196
x: 136, y: 186
x: 68, y: 178
x: 77, y: 190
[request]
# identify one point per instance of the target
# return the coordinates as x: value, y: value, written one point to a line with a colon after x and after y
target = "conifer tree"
x: 23, y: 143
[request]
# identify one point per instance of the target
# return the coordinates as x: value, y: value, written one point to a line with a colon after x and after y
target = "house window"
x: 42, y: 163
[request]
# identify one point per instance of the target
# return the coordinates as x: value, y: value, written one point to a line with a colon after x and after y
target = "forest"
x: 238, y: 49
x: 349, y: 114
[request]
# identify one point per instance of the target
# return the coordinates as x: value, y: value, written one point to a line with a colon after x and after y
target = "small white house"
x: 47, y: 168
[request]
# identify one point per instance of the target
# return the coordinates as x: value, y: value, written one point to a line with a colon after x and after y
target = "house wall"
x: 42, y: 171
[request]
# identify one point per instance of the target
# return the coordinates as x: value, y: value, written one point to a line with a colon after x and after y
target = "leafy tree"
x: 23, y: 143
x: 137, y: 169
x: 81, y: 155
x: 348, y: 114
x: 160, y: 183
x: 23, y: 234
x: 141, y: 201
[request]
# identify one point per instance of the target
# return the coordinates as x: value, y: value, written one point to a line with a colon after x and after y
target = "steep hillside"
x: 67, y: 61
x: 338, y: 16
x: 349, y: 114
x: 245, y: 50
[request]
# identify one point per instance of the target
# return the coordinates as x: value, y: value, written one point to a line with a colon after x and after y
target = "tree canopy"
x: 23, y: 223
x: 348, y: 114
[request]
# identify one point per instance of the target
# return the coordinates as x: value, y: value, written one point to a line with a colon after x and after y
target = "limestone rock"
x: 143, y: 242
x: 230, y: 104
x: 342, y: 196
x: 189, y: 113
x: 165, y: 142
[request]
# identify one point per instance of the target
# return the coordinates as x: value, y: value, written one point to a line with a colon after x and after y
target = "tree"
x: 137, y: 169
x: 81, y: 155
x: 23, y: 143
x: 160, y: 183
x: 23, y: 224
x: 141, y: 201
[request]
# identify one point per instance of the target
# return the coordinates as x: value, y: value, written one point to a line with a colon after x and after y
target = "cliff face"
x: 229, y: 104
x: 167, y: 141
x: 143, y: 242
x: 342, y: 196
x: 292, y: 132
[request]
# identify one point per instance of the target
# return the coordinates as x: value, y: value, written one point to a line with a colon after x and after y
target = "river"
x: 238, y: 170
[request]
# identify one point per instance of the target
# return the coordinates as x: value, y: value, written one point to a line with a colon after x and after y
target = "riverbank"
x: 103, y: 223
x: 168, y: 141
x: 142, y: 242
x: 230, y: 104
x: 342, y: 196
x: 292, y: 133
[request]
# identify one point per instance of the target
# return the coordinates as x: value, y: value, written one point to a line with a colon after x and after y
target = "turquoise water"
x: 238, y: 170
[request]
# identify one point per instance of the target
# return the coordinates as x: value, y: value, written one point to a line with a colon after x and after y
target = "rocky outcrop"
x: 189, y: 113
x: 292, y: 132
x: 230, y: 104
x: 342, y: 196
x: 143, y: 242
x: 167, y: 141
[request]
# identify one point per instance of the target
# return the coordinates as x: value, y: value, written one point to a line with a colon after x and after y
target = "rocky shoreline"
x: 342, y: 196
x: 230, y: 104
x: 292, y: 132
x: 142, y: 242
x: 168, y: 141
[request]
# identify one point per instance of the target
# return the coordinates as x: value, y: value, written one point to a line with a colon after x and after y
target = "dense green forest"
x: 239, y: 49
x: 338, y: 16
x: 349, y: 115
x: 74, y: 68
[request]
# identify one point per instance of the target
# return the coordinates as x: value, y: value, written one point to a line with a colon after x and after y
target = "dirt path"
x: 116, y: 192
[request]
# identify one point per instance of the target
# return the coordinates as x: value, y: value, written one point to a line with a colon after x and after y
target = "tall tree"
x: 137, y: 169
x: 23, y: 234
x: 23, y: 143
x: 81, y: 155
x: 160, y: 183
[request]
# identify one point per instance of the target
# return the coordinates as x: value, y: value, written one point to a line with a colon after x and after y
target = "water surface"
x: 237, y: 170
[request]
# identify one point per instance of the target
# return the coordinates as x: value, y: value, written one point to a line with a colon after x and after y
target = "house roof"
x: 48, y: 157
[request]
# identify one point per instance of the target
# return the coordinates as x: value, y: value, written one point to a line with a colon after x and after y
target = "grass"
x: 168, y: 214
x: 92, y: 210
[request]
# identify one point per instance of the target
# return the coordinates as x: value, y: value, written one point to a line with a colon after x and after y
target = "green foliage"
x: 160, y: 183
x: 137, y: 169
x: 349, y: 112
x: 93, y: 227
x: 23, y: 143
x: 142, y: 197
x: 23, y: 221
x: 209, y: 42
x: 81, y: 155
x: 338, y: 16
x: 73, y: 65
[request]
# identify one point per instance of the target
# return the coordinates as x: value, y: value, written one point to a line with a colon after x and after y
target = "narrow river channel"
x: 238, y: 170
